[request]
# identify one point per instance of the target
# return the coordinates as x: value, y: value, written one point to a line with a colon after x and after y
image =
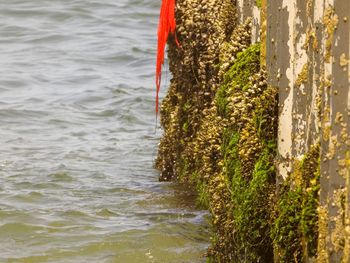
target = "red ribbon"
x: 166, y: 26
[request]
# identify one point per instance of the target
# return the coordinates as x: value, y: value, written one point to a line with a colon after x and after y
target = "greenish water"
x: 78, y: 138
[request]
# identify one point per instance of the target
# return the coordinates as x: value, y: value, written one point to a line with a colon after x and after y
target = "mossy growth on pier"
x: 247, y: 106
x: 220, y: 135
x: 230, y: 161
x: 295, y: 228
x: 258, y: 3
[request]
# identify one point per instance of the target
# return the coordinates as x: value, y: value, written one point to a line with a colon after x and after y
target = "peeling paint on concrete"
x: 256, y: 24
x: 311, y: 66
x: 285, y: 131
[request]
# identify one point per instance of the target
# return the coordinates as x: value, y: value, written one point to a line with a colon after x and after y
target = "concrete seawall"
x: 256, y: 119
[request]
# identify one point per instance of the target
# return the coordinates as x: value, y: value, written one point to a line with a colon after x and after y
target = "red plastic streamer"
x: 166, y: 26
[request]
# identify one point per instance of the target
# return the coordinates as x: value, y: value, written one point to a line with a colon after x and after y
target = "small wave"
x: 61, y: 177
x: 51, y: 38
x: 14, y: 113
x: 11, y: 229
x: 106, y: 213
x: 75, y: 214
x: 30, y: 197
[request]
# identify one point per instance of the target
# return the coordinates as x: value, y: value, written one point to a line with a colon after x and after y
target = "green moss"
x: 258, y: 3
x: 203, y: 199
x: 246, y: 64
x: 309, y: 219
x: 238, y: 76
x: 295, y: 229
x: 248, y: 149
x: 251, y: 200
x: 251, y: 190
x: 229, y: 149
x: 221, y: 100
x: 286, y: 231
x: 251, y: 211
x: 185, y: 127
x: 201, y: 189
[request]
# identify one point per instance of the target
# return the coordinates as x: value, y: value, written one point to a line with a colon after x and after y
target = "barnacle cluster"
x: 238, y: 41
x: 202, y: 27
x: 218, y: 120
x: 248, y: 107
x: 220, y: 128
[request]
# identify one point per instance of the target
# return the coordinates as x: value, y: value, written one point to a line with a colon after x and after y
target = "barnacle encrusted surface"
x: 202, y: 27
x: 246, y: 108
x: 220, y: 128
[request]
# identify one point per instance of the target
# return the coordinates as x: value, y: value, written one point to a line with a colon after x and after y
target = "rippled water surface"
x: 77, y: 138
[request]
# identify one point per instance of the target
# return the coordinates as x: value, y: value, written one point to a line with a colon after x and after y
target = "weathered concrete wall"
x: 220, y: 125
x: 307, y: 59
